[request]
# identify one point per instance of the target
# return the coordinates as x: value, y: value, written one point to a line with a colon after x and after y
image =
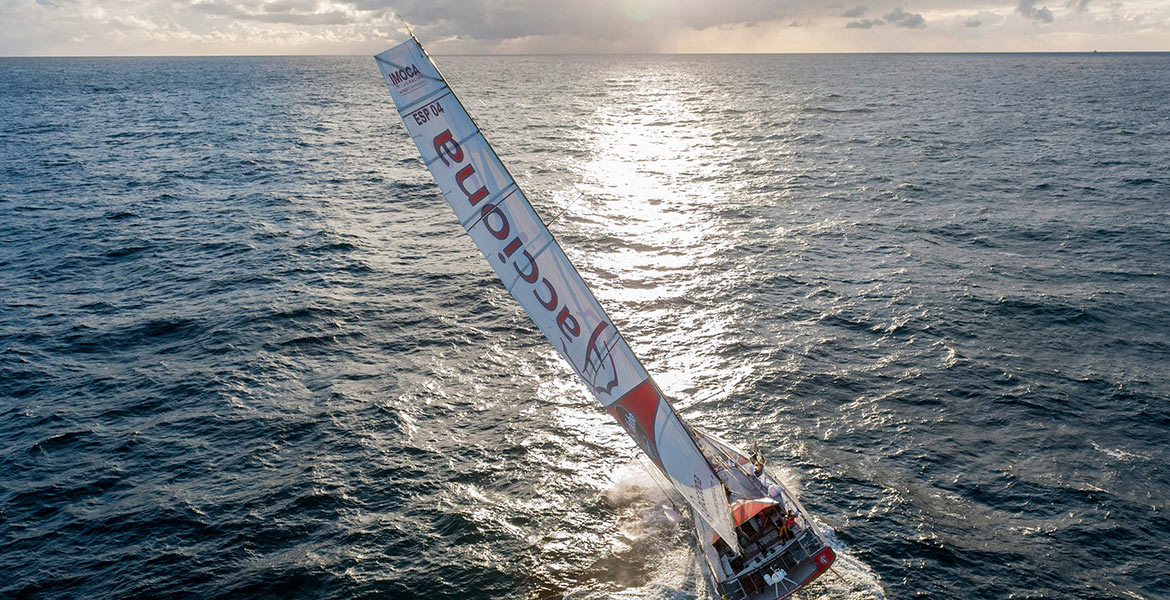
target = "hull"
x: 751, y: 584
x: 782, y: 551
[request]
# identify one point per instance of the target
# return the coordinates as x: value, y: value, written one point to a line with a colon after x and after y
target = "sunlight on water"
x: 653, y: 167
x: 644, y: 142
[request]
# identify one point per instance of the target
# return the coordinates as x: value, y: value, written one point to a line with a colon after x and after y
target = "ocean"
x: 246, y: 350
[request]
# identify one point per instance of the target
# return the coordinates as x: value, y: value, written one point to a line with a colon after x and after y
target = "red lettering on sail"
x: 477, y: 195
x: 551, y: 304
x: 568, y: 323
x: 445, y: 144
x: 532, y: 273
x: 493, y: 209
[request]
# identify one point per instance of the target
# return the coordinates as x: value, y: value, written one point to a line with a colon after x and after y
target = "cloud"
x: 294, y: 12
x: 897, y: 17
x: 1037, y: 15
x: 704, y: 14
x: 613, y: 20
x: 983, y: 18
x: 129, y: 27
x: 902, y: 18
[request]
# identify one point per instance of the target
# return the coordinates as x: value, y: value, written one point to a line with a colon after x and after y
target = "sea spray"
x: 653, y: 559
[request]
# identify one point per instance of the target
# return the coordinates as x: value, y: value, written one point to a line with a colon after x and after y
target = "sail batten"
x: 495, y: 213
x: 499, y: 198
x: 437, y: 94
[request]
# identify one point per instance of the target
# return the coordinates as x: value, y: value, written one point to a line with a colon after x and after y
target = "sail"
x: 535, y: 270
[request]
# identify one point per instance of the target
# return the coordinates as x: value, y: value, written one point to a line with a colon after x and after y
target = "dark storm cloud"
x: 853, y: 13
x: 902, y: 18
x: 863, y: 24
x: 1038, y: 15
x: 972, y: 23
x: 1077, y: 5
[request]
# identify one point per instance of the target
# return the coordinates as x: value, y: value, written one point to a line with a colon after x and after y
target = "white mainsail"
x: 534, y: 269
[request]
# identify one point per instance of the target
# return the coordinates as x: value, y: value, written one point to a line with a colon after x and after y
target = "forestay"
x: 534, y: 269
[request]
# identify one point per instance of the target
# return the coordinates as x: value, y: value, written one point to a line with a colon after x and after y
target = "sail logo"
x: 603, y: 370
x: 403, y: 75
x: 406, y: 79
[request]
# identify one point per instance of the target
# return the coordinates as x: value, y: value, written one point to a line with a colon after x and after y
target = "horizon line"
x: 886, y: 52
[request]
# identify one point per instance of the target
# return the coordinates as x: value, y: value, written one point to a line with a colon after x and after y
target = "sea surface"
x: 247, y: 352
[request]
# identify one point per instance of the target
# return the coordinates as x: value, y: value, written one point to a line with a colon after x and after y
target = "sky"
x: 217, y: 27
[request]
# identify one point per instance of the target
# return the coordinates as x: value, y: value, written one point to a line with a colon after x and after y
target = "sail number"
x: 425, y: 113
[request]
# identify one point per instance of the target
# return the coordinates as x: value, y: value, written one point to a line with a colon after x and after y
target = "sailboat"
x: 752, y: 537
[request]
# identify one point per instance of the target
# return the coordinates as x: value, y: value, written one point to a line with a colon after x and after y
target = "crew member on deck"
x: 786, y: 530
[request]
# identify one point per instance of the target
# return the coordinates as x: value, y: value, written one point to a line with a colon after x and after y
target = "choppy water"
x: 246, y: 351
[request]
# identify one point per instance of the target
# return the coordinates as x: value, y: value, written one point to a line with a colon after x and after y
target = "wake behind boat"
x: 754, y: 539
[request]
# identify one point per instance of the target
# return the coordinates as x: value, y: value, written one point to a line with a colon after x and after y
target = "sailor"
x: 757, y: 460
x: 789, y: 523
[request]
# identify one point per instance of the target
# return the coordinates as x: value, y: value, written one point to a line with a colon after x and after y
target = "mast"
x: 533, y: 267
